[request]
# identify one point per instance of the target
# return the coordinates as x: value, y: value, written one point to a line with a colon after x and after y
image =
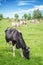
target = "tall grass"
x: 33, y: 36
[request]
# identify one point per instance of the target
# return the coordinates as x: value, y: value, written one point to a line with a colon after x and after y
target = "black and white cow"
x: 17, y: 40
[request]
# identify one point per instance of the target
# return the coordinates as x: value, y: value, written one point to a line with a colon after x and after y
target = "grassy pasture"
x: 33, y: 36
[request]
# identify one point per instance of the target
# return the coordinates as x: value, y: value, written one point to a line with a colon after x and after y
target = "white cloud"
x: 9, y: 14
x: 21, y: 11
x: 31, y: 9
x: 29, y: 2
x: 40, y: 7
x: 20, y: 3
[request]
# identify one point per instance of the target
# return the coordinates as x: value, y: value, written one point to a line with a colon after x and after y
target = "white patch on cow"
x: 16, y: 24
x: 10, y: 42
x: 14, y: 48
x: 20, y: 22
x: 21, y: 52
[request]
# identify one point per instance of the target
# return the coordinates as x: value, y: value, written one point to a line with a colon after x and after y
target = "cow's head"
x: 26, y: 53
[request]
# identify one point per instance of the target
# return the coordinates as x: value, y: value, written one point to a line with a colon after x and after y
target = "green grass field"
x: 33, y: 36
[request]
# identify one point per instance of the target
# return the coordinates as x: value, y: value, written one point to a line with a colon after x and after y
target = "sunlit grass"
x: 33, y: 36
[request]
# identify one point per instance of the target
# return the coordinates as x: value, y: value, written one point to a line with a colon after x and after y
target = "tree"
x: 1, y: 16
x: 37, y: 14
x: 29, y: 16
x: 25, y: 16
x: 16, y: 16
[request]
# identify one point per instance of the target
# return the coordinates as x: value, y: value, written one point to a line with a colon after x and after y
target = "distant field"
x: 33, y: 36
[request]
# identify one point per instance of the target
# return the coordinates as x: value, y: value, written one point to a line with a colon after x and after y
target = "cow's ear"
x: 28, y: 47
x: 24, y: 47
x: 5, y: 30
x: 20, y: 33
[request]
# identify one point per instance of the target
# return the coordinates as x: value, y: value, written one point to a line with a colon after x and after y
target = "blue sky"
x: 9, y: 7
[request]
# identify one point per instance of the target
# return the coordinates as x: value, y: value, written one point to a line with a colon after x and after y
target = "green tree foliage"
x: 37, y: 14
x: 25, y: 16
x: 29, y: 16
x: 1, y: 16
x: 16, y: 16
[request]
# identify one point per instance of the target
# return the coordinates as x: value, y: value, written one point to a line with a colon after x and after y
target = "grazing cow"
x: 34, y: 21
x: 22, y: 22
x: 17, y: 40
x: 15, y: 24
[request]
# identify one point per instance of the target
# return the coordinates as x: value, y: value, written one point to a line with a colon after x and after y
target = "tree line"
x: 37, y: 14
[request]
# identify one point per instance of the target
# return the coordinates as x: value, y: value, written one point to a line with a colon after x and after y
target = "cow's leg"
x: 21, y: 52
x: 6, y: 41
x: 10, y: 43
x: 14, y: 48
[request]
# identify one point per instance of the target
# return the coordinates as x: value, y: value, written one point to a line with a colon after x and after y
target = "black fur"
x: 16, y: 37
